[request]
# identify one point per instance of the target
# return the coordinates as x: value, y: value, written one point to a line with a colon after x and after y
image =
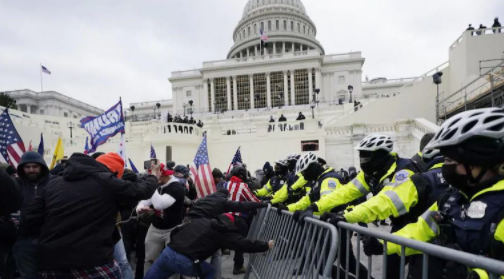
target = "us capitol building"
x: 236, y: 97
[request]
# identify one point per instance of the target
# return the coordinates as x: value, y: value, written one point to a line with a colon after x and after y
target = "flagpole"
x: 41, y: 83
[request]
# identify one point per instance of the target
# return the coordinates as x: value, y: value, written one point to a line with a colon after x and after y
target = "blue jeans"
x: 25, y: 255
x: 122, y: 260
x: 171, y: 262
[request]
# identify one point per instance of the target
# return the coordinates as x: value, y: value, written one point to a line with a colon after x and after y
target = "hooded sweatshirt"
x: 75, y: 214
x: 31, y: 189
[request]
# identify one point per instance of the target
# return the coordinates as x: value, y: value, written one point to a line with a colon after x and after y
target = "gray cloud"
x: 100, y: 50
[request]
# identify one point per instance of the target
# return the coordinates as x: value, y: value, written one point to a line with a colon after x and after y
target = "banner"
x: 104, y: 126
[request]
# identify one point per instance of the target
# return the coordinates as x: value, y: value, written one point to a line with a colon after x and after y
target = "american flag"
x: 264, y: 37
x: 202, y: 172
x: 45, y: 70
x: 236, y: 159
x: 86, y: 147
x: 152, y: 152
x: 122, y: 151
x: 11, y: 144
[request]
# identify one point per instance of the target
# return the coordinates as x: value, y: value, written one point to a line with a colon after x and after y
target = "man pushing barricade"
x: 192, y: 243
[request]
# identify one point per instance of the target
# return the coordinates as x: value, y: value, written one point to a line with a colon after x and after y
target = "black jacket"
x: 218, y: 203
x: 10, y: 201
x: 75, y: 214
x: 170, y: 217
x: 199, y: 239
x: 28, y: 189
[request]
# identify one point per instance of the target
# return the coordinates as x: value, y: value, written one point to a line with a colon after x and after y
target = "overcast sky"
x: 99, y: 50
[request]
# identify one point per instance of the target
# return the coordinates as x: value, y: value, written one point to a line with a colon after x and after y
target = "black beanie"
x: 478, y: 151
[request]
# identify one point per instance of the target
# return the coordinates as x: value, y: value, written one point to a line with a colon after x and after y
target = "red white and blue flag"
x: 152, y: 152
x: 45, y: 70
x: 264, y: 37
x: 11, y: 145
x: 202, y: 172
x: 122, y: 150
x: 236, y: 159
x: 86, y: 147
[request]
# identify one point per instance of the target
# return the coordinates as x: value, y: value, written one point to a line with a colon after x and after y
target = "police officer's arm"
x: 300, y: 182
x: 328, y: 186
x: 264, y: 191
x: 395, y: 199
x: 281, y: 195
x: 345, y: 194
x: 424, y: 230
x: 302, y: 204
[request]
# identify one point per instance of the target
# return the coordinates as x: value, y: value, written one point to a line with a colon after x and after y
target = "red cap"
x: 164, y: 170
x: 230, y: 216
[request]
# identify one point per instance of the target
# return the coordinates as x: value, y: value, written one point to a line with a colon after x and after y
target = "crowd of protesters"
x: 182, y: 129
x: 496, y: 28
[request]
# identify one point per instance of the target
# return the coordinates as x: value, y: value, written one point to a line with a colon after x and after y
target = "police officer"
x: 470, y: 215
x: 276, y: 182
x: 418, y: 158
x: 296, y: 186
x: 325, y: 181
x: 403, y: 203
x: 380, y: 167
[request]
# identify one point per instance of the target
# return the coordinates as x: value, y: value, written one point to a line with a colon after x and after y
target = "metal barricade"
x: 310, y: 250
x: 491, y: 266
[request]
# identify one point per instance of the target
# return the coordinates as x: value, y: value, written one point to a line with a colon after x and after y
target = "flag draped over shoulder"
x: 202, y: 172
x: 104, y: 126
x: 11, y: 145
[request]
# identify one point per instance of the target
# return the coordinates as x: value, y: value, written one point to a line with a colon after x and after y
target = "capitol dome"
x: 285, y: 22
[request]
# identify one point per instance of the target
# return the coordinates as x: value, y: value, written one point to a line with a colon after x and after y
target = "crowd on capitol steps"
x: 83, y: 218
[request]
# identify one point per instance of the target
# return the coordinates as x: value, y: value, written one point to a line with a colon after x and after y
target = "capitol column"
x: 293, y: 89
x: 205, y: 89
x: 212, y: 94
x: 255, y: 49
x: 268, y: 89
x: 283, y: 47
x: 228, y: 91
x: 286, y: 88
x: 235, y: 93
x: 318, y: 79
x: 252, y: 100
x: 310, y: 82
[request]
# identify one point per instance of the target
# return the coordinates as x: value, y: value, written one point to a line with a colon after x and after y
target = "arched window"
x: 244, y: 33
x: 285, y: 25
x: 292, y: 26
x: 249, y: 30
x: 304, y: 29
x: 262, y: 26
x: 269, y: 25
x: 299, y: 27
x: 240, y: 36
x: 277, y: 25
x: 255, y: 28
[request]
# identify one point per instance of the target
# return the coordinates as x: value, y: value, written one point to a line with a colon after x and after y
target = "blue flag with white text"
x: 104, y: 126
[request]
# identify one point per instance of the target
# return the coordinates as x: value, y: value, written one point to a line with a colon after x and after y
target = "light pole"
x: 350, y: 89
x: 71, y: 126
x: 436, y: 78
x: 317, y: 91
x: 154, y: 112
x: 158, y: 105
x: 132, y: 112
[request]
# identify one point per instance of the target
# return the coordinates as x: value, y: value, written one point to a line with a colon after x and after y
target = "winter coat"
x: 74, y: 216
x: 28, y: 189
x: 201, y: 238
x: 10, y: 201
x: 217, y: 203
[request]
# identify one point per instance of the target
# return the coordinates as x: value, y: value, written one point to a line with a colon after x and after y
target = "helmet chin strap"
x: 472, y: 179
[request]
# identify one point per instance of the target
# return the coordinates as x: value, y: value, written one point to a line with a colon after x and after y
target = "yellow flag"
x: 58, y: 153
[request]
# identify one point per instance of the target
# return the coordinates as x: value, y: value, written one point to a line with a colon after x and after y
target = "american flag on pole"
x: 264, y: 37
x: 202, y: 172
x: 236, y: 159
x: 11, y: 145
x: 152, y: 152
x: 45, y: 70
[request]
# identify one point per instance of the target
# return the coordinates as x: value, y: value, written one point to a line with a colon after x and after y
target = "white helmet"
x: 305, y: 161
x: 485, y: 122
x: 376, y: 142
x: 430, y: 153
x: 293, y: 157
x: 282, y: 162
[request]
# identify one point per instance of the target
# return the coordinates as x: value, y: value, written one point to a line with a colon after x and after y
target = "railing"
x: 475, y: 33
x: 179, y: 74
x: 262, y: 58
x: 384, y: 82
x: 152, y: 103
x: 480, y: 86
x: 56, y: 95
x: 309, y: 249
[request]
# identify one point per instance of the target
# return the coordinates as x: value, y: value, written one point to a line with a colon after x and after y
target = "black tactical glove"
x: 372, y: 246
x: 281, y: 207
x: 457, y: 270
x: 333, y: 218
x: 299, y: 215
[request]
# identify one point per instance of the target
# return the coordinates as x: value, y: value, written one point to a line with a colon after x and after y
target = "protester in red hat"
x: 74, y: 217
x: 168, y: 204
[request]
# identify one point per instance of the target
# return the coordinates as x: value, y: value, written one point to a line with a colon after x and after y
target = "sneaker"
x: 238, y: 270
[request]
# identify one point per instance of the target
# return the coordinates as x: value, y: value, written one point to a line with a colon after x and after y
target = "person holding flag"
x: 202, y: 172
